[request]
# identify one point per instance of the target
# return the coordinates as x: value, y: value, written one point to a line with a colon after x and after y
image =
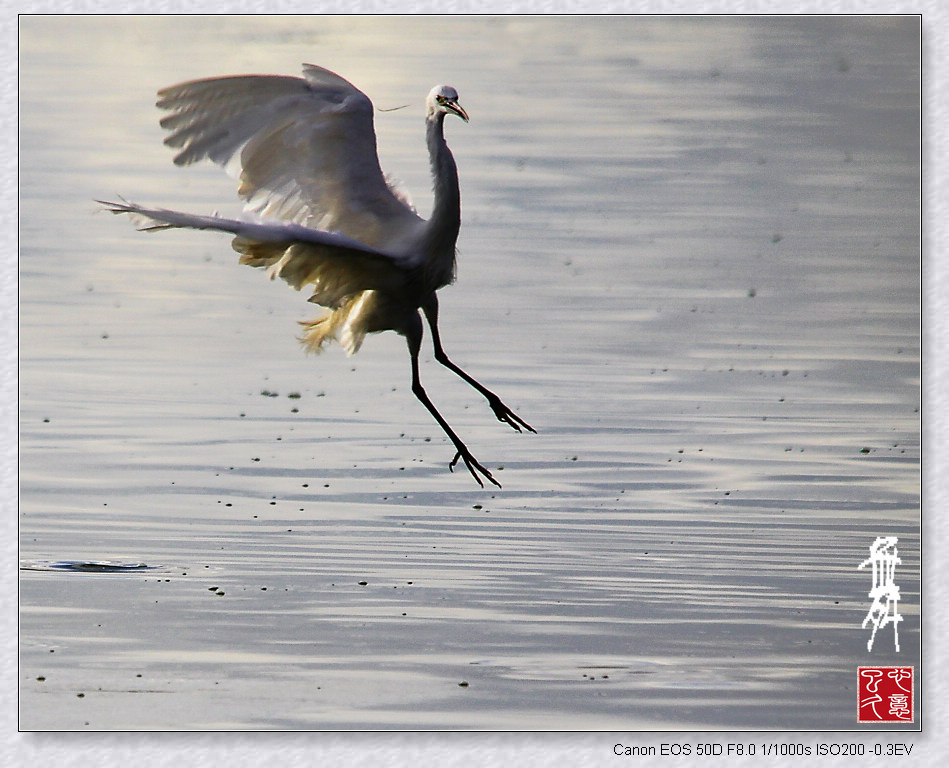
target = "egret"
x: 320, y: 214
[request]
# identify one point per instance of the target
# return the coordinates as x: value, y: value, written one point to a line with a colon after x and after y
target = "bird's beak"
x: 456, y: 108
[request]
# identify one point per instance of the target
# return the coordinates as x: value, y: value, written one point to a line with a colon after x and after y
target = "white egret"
x: 323, y: 215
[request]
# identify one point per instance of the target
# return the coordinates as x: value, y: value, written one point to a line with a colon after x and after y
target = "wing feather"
x: 304, y: 150
x: 336, y: 267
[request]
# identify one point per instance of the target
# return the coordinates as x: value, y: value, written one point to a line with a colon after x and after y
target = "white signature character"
x: 885, y: 594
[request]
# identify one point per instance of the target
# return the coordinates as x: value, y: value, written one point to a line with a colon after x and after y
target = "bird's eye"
x: 440, y: 99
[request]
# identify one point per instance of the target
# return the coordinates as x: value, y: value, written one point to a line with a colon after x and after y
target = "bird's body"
x: 323, y: 215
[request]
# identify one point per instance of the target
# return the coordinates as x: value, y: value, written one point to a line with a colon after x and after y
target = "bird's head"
x: 443, y: 99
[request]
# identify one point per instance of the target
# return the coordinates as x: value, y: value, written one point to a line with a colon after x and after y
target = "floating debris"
x: 85, y: 566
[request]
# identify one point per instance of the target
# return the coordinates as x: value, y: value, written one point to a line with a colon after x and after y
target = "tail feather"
x: 318, y: 332
x: 348, y: 324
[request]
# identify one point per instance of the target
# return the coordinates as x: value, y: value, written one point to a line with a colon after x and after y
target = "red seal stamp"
x: 885, y: 695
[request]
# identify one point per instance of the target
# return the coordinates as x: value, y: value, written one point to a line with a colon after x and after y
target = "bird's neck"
x: 445, y: 221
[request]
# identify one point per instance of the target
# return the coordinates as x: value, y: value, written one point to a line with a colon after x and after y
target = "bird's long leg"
x: 414, y: 339
x: 503, y: 413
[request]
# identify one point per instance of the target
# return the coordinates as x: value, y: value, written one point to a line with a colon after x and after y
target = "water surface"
x: 689, y: 257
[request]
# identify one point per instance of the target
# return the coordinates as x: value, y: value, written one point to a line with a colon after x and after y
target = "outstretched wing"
x: 304, y: 150
x: 333, y: 265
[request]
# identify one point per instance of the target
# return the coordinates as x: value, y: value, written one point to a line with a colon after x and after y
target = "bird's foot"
x: 474, y: 466
x: 508, y: 416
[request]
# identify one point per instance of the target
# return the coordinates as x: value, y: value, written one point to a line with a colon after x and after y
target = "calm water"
x: 690, y: 258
